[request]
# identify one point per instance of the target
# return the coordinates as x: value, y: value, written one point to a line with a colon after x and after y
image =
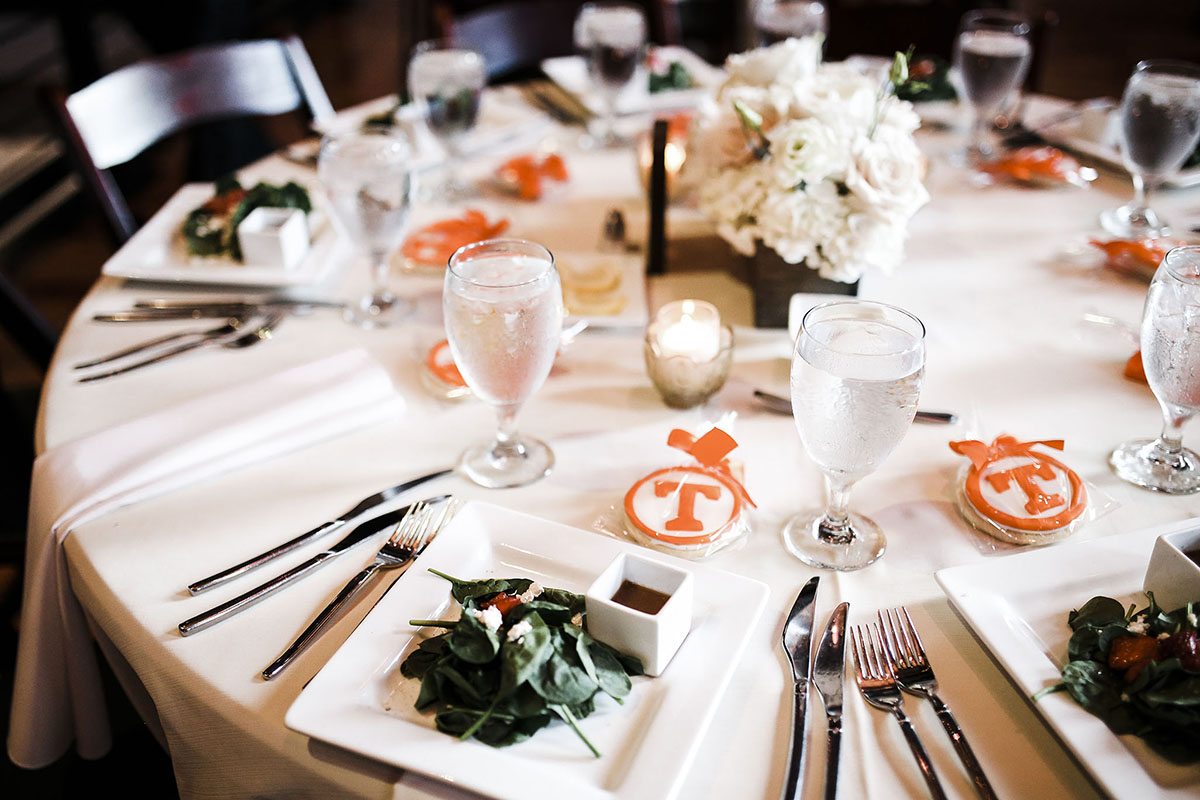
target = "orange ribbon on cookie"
x: 710, y: 450
x: 1008, y: 465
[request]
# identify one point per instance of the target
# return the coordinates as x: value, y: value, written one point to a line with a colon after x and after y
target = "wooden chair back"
x: 118, y: 117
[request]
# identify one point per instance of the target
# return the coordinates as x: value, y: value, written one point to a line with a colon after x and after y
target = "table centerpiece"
x: 810, y: 170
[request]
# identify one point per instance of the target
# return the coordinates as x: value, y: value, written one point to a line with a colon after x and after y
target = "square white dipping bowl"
x: 274, y: 237
x: 653, y: 638
x: 1173, y: 574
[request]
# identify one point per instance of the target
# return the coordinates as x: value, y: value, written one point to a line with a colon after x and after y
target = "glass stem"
x: 1141, y: 197
x: 379, y: 276
x: 507, y: 444
x: 1168, y: 449
x: 978, y: 148
x: 835, y: 528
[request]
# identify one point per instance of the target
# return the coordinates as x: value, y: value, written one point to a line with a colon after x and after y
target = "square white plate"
x: 360, y: 701
x: 1018, y: 605
x: 570, y: 73
x: 158, y: 252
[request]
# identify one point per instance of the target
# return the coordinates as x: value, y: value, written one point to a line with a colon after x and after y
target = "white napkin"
x: 57, y: 695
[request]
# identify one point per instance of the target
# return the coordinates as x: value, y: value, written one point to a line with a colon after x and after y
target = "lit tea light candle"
x: 690, y: 328
x: 688, y: 352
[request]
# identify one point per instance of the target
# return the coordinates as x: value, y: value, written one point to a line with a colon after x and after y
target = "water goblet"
x: 1160, y: 125
x: 446, y: 81
x: 991, y: 54
x: 368, y: 177
x: 857, y: 371
x: 1171, y: 356
x: 776, y: 20
x: 614, y: 38
x: 503, y: 307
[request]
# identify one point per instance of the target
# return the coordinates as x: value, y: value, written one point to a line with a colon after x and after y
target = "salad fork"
x: 412, y: 534
x: 877, y: 682
x: 914, y: 674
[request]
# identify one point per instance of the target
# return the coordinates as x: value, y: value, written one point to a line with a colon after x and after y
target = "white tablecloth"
x: 989, y: 271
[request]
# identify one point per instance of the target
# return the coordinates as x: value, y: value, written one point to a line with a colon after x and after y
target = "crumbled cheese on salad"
x: 530, y: 594
x: 520, y: 629
x: 490, y: 617
x: 1137, y: 626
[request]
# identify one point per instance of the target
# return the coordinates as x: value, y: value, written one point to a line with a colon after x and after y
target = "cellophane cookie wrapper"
x: 1024, y: 492
x: 692, y: 508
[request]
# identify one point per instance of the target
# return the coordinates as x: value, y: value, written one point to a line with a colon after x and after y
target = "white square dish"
x: 360, y: 701
x: 653, y: 634
x: 1018, y: 605
x: 1174, y: 573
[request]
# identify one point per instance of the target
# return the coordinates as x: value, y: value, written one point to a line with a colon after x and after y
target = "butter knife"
x: 782, y: 405
x: 363, y: 506
x: 360, y: 534
x: 828, y: 670
x: 797, y: 643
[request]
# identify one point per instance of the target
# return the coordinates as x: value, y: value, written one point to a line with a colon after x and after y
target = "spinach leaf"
x: 462, y: 591
x: 472, y: 641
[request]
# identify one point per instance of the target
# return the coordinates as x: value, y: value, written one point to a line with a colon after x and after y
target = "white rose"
x: 794, y: 223
x: 884, y: 176
x: 807, y: 150
x: 839, y: 96
x: 784, y: 62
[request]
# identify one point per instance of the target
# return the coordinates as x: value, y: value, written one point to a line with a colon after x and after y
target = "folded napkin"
x: 57, y: 695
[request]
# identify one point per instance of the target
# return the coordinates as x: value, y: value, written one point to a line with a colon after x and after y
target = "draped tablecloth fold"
x: 57, y: 696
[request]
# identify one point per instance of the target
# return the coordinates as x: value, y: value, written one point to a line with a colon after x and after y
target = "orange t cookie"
x: 684, y: 507
x: 1018, y: 493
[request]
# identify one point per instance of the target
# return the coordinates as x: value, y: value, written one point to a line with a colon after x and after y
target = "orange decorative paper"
x: 1139, y: 257
x: 435, y: 243
x: 1029, y: 164
x: 526, y: 173
x: 1007, y: 464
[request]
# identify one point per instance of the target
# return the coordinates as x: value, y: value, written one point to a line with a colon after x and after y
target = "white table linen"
x: 57, y: 695
x: 995, y: 275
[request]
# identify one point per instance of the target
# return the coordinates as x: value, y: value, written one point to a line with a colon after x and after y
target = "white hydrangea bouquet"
x: 816, y: 161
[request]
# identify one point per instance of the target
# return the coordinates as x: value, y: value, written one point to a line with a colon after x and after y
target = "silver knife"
x: 360, y: 534
x: 363, y: 506
x: 782, y: 405
x: 828, y: 669
x: 797, y: 643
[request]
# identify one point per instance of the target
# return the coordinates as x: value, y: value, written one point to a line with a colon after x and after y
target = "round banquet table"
x: 994, y: 273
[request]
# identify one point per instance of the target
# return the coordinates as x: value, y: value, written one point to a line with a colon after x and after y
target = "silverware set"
x: 889, y: 661
x: 410, y: 528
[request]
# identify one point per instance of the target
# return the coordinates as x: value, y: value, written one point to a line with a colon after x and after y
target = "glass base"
x: 520, y: 463
x: 803, y: 538
x: 1144, y: 463
x: 1129, y: 222
x: 379, y: 311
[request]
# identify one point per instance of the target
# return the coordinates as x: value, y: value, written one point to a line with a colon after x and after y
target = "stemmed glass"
x: 503, y: 307
x: 776, y: 20
x: 992, y: 54
x: 614, y: 37
x: 856, y: 374
x: 1171, y: 356
x: 368, y: 177
x: 447, y: 81
x: 1160, y: 125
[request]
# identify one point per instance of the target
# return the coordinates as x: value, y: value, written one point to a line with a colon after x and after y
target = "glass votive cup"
x: 688, y: 353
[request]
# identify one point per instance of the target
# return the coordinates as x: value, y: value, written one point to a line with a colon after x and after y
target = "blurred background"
x: 53, y: 242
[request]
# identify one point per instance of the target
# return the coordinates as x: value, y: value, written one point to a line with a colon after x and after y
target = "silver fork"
x: 873, y: 672
x: 412, y: 534
x: 915, y: 675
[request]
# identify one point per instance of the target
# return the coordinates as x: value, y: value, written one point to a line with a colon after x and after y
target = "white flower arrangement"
x: 816, y: 161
